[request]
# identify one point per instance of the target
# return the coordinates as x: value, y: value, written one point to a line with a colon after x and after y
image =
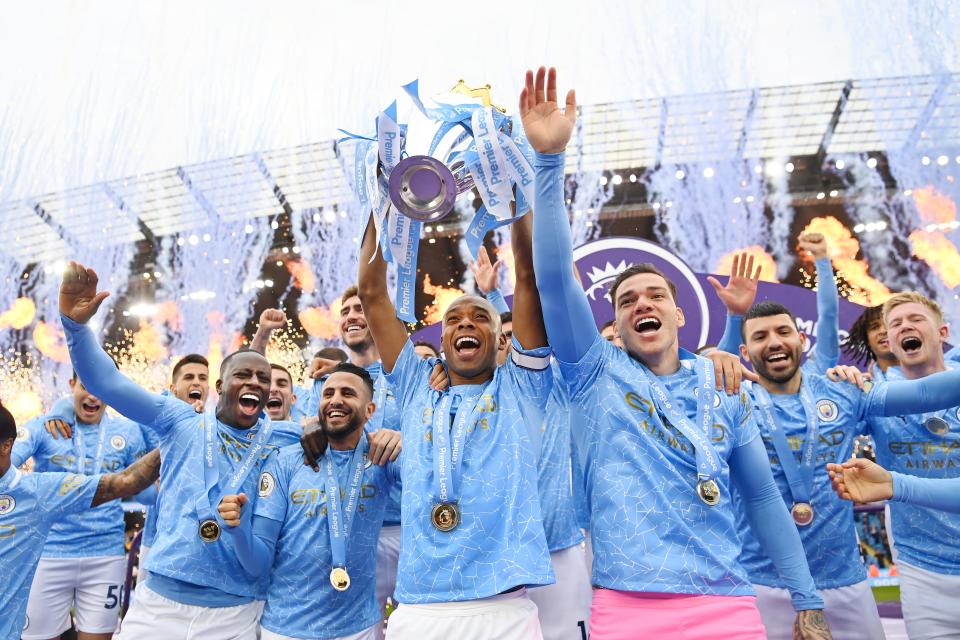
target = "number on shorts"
x: 583, y: 629
x: 113, y: 598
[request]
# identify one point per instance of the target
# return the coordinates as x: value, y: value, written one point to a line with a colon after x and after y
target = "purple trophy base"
x: 422, y: 188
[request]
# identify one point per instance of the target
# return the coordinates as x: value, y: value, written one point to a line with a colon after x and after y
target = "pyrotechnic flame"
x: 50, y: 341
x: 134, y: 358
x: 321, y: 322
x: 842, y: 248
x: 940, y: 253
x: 768, y: 266
x: 443, y: 297
x: 148, y: 342
x: 169, y: 314
x: 19, y: 315
x: 283, y: 350
x: 933, y: 206
x: 302, y: 274
x: 17, y: 383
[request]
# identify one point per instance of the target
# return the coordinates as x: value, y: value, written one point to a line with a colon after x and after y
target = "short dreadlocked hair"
x: 856, y: 347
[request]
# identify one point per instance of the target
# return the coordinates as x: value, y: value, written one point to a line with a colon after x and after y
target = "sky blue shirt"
x: 924, y: 537
x: 830, y: 541
x: 92, y: 532
x: 500, y: 542
x: 30, y: 504
x: 554, y: 474
x: 294, y: 495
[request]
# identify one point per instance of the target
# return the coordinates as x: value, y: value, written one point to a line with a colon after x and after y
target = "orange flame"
x: 762, y: 259
x: 443, y: 297
x: 842, y: 248
x: 933, y: 206
x: 321, y: 322
x: 940, y: 253
x: 19, y: 315
x: 146, y: 341
x: 169, y: 314
x: 302, y: 274
x: 24, y: 404
x: 50, y: 342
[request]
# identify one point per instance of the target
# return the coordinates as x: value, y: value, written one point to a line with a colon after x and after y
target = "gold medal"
x: 209, y: 531
x: 802, y: 513
x: 340, y: 579
x: 709, y: 492
x: 445, y: 516
x: 937, y: 426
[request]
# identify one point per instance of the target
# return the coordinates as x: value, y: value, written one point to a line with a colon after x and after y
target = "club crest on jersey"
x: 600, y: 262
x: 827, y: 410
x: 22, y: 434
x: 7, y: 504
x: 267, y: 484
x: 118, y: 442
x: 958, y: 413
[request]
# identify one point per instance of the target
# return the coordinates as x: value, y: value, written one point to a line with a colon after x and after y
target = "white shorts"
x: 142, y: 564
x: 153, y: 617
x: 370, y: 633
x: 388, y: 555
x: 91, y: 586
x: 564, y: 607
x: 588, y: 553
x: 851, y: 612
x: 510, y: 616
x: 931, y: 603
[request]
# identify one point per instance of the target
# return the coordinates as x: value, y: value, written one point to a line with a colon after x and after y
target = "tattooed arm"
x: 811, y: 625
x: 131, y: 481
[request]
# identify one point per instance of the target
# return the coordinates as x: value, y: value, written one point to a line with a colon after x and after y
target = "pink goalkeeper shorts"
x: 625, y: 615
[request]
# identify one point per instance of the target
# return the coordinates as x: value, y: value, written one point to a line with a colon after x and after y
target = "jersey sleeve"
x: 272, y: 493
x: 29, y: 442
x: 904, y: 397
x: 732, y: 334
x: 826, y: 351
x: 942, y: 494
x: 66, y: 493
x: 410, y: 373
x: 581, y: 375
x: 495, y: 297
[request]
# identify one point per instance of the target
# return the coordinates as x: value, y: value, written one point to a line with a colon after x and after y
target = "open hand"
x: 439, y: 380
x: 58, y: 428
x: 852, y: 375
x: 384, y: 446
x: 548, y: 129
x: 79, y: 298
x: 861, y: 480
x: 729, y: 371
x: 484, y: 272
x: 741, y: 289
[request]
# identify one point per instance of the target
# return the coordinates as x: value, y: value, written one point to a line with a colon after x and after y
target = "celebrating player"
x: 659, y: 445
x: 862, y: 480
x: 31, y: 504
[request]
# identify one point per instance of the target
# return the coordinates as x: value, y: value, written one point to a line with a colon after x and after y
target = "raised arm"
x: 131, y: 481
x: 79, y: 301
x: 771, y: 524
x: 270, y: 320
x: 569, y: 321
x: 387, y: 329
x: 826, y: 350
x: 485, y: 275
x: 905, y: 397
x: 528, y: 326
x: 737, y: 296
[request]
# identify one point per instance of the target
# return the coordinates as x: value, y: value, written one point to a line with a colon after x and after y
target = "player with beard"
x: 925, y: 446
x: 328, y: 521
x: 32, y: 503
x: 660, y: 447
x: 741, y: 291
x: 805, y: 421
x: 196, y: 586
x: 83, y: 562
x: 472, y: 537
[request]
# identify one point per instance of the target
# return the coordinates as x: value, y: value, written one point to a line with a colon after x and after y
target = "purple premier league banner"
x: 600, y: 261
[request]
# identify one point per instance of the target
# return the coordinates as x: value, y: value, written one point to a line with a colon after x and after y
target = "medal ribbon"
x: 799, y: 476
x: 81, y: 453
x: 211, y: 470
x: 447, y: 455
x: 380, y: 400
x: 338, y: 519
x: 708, y: 462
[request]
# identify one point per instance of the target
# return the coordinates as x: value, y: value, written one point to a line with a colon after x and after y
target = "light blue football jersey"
x: 500, y: 542
x: 178, y: 553
x: 294, y: 495
x: 108, y: 447
x: 830, y: 541
x: 554, y: 474
x: 650, y: 531
x: 30, y: 503
x: 924, y: 537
